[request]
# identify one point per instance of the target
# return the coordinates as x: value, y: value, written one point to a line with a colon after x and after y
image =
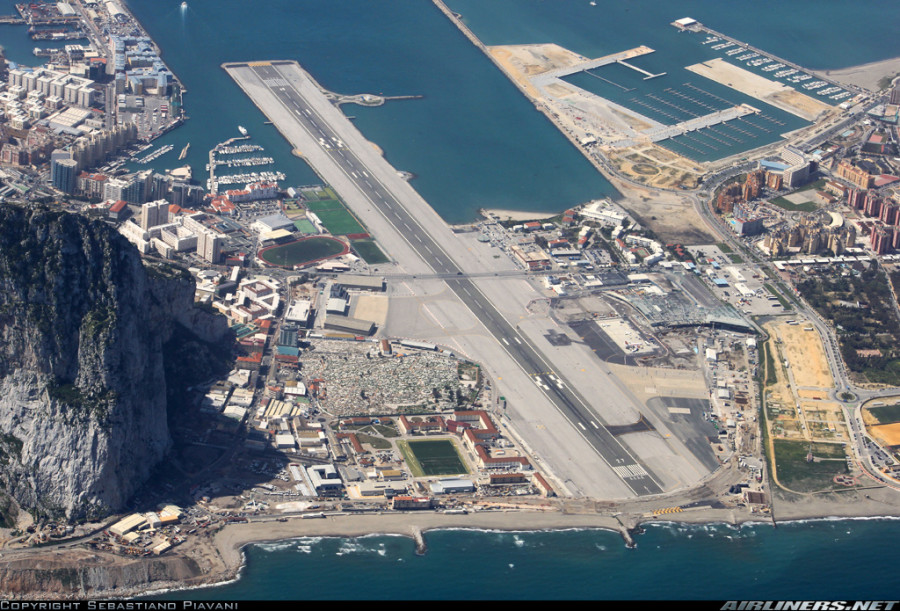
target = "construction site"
x: 800, y: 416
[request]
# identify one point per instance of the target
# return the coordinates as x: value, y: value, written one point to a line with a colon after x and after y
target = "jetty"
x: 155, y: 154
x: 696, y: 26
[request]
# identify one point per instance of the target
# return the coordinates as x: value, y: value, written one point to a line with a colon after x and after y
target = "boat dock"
x: 225, y: 148
x: 155, y: 154
x: 649, y: 76
x: 546, y: 78
x: 721, y: 116
x: 696, y: 26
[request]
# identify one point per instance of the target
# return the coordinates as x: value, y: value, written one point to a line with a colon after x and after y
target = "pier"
x: 615, y: 58
x: 699, y: 27
x: 649, y: 76
x: 226, y: 148
x: 155, y: 154
x: 670, y: 131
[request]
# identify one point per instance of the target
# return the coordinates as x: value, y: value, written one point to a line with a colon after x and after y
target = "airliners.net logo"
x: 810, y: 605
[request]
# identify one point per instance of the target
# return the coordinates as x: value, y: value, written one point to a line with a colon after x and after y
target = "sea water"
x: 828, y: 559
x: 474, y: 141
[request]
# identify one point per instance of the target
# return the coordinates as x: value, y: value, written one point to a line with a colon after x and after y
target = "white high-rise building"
x: 154, y: 213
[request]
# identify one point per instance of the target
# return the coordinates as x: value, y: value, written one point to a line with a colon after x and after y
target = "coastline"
x: 866, y: 75
x: 516, y: 215
x: 230, y: 541
x: 217, y: 558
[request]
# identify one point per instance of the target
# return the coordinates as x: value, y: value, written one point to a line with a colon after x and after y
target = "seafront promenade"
x: 421, y: 242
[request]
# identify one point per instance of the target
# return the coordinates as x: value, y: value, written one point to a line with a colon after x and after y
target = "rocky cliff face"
x: 82, y: 371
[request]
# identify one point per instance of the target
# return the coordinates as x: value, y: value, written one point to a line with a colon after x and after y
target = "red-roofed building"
x: 486, y: 461
x: 542, y: 484
x: 406, y: 502
x: 487, y: 429
x: 354, y: 442
x: 119, y: 211
x: 251, y: 362
x: 356, y: 421
x: 532, y: 226
x: 432, y: 424
x: 505, y: 479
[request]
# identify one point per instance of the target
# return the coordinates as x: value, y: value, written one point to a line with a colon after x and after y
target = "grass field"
x: 324, y: 204
x: 305, y: 226
x: 369, y: 251
x: 796, y: 474
x: 376, y: 442
x: 791, y: 207
x: 433, y: 457
x: 885, y: 414
x: 339, y: 221
x: 302, y: 251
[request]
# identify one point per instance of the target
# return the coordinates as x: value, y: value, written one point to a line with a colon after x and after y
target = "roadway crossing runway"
x: 286, y: 94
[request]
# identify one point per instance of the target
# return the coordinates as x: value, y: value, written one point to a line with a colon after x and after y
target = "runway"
x: 295, y: 100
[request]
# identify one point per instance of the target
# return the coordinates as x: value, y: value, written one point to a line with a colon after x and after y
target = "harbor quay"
x: 420, y: 242
x: 695, y: 26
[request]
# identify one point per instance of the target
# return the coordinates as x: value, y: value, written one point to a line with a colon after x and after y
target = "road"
x: 280, y: 78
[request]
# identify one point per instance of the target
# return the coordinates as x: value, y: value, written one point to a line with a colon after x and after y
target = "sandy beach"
x: 874, y: 502
x: 866, y: 75
x: 231, y: 539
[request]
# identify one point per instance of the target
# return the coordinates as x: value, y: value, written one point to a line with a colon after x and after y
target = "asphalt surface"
x: 636, y: 476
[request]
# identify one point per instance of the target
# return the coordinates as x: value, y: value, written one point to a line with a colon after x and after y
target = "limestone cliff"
x: 83, y: 325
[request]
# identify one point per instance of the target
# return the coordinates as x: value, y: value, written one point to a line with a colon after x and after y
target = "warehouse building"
x: 356, y: 281
x: 452, y: 485
x: 347, y: 324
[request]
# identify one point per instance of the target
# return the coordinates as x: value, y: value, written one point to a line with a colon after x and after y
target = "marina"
x: 244, y: 163
x: 230, y: 148
x: 155, y: 154
x: 750, y: 54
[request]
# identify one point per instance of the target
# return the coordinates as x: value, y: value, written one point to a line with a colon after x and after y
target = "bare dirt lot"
x: 761, y: 88
x: 807, y: 357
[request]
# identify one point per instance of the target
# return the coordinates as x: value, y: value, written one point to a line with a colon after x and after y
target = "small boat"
x: 183, y: 5
x: 242, y: 129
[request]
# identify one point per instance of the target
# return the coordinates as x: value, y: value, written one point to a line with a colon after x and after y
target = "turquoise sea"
x: 473, y: 141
